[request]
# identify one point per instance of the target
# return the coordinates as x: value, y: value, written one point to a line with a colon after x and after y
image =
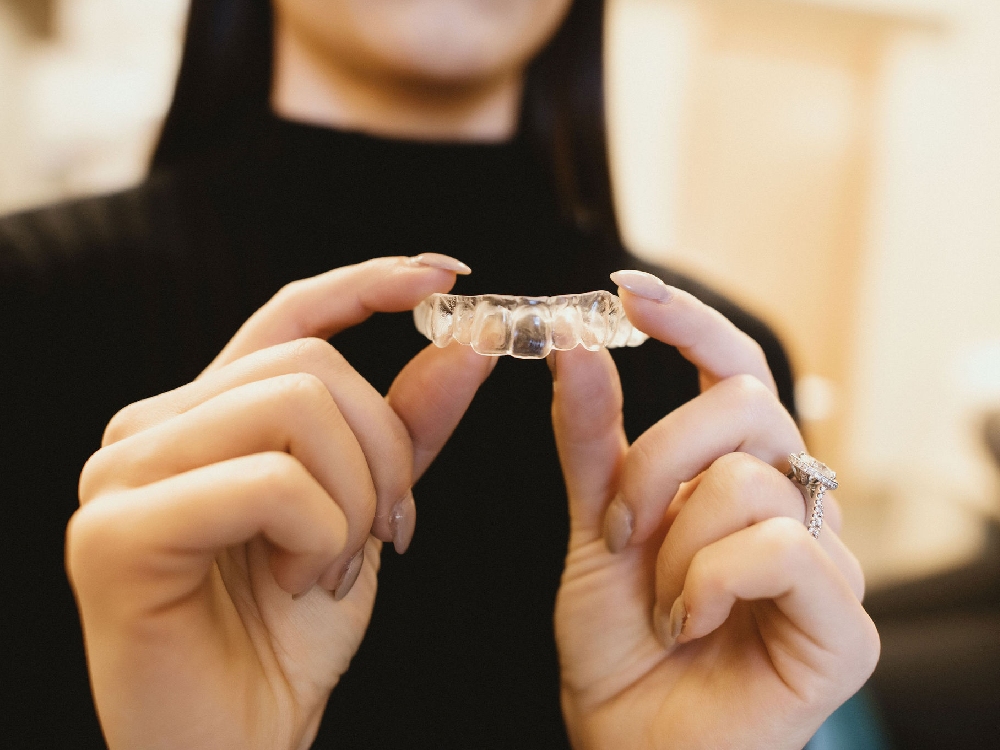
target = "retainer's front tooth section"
x: 531, y: 332
x: 491, y: 332
x: 526, y: 327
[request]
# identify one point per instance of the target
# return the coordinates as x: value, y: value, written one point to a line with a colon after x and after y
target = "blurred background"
x: 833, y: 164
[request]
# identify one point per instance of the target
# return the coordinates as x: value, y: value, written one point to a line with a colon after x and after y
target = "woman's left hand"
x: 718, y: 621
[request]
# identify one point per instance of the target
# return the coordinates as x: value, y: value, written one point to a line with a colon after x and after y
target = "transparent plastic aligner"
x: 526, y: 327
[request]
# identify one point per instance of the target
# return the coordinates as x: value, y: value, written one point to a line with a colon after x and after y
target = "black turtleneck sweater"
x: 108, y: 300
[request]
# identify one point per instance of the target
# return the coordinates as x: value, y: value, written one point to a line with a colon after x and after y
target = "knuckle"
x: 275, y: 472
x: 788, y: 542
x: 76, y: 539
x: 757, y: 350
x: 303, y: 390
x: 313, y: 354
x: 93, y: 543
x: 122, y: 425
x: 871, y: 649
x: 750, y: 392
x: 739, y: 472
x: 287, y: 293
x: 745, y: 487
x: 91, y: 476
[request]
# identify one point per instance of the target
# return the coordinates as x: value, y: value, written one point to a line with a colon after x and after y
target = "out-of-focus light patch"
x: 815, y: 397
x: 824, y: 112
x: 96, y: 92
x: 649, y: 51
x: 976, y: 372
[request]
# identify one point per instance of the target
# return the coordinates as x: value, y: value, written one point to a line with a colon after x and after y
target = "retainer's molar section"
x: 526, y: 327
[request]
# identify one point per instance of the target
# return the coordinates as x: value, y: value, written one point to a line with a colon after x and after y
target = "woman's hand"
x: 223, y: 525
x: 718, y: 621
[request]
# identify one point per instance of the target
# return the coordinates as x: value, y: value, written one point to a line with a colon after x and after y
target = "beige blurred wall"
x: 80, y: 105
x: 836, y: 166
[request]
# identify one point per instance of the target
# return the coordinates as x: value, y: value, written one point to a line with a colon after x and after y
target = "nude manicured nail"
x: 351, y: 573
x: 619, y: 523
x: 643, y: 284
x: 402, y: 522
x: 444, y: 262
x: 668, y: 627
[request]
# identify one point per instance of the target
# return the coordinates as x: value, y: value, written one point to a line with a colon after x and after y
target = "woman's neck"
x: 310, y: 87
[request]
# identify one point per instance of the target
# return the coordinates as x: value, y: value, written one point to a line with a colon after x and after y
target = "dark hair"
x: 224, y: 84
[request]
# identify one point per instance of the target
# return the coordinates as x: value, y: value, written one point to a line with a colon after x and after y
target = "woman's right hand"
x: 222, y: 525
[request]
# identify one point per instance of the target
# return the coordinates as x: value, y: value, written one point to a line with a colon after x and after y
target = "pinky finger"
x: 816, y: 617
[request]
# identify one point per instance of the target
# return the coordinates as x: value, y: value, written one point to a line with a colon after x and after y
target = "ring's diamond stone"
x: 808, y: 470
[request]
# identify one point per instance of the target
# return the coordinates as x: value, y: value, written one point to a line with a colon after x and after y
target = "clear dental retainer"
x: 527, y: 327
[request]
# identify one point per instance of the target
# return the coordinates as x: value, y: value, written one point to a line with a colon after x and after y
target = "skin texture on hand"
x: 718, y: 621
x: 226, y: 551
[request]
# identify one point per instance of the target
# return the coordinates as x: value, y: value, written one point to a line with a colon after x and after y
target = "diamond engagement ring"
x: 816, y: 477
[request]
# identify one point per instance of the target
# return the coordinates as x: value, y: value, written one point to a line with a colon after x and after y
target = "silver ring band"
x: 815, y: 477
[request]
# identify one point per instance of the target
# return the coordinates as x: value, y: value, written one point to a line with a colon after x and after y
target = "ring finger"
x: 738, y: 414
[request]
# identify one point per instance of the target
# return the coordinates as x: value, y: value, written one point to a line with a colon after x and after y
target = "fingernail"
x: 643, y: 284
x: 618, y: 525
x: 551, y: 362
x: 402, y: 521
x: 669, y: 627
x: 444, y: 262
x: 678, y: 617
x: 351, y: 573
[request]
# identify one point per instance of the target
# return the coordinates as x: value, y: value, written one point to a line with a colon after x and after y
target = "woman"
x: 227, y: 548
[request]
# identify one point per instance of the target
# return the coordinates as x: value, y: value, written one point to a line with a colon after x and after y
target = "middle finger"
x: 737, y: 414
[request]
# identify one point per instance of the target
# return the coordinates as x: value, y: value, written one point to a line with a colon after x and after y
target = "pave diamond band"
x: 816, y: 478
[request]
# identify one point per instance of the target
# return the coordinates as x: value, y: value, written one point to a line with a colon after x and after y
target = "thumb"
x: 430, y: 396
x: 590, y: 437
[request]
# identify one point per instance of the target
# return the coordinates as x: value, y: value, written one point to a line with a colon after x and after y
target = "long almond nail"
x: 643, y: 284
x: 351, y: 573
x: 444, y: 262
x: 678, y: 618
x: 669, y: 626
x: 619, y: 523
x: 402, y: 522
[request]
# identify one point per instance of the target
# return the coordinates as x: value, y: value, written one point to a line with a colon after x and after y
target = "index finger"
x: 324, y: 305
x: 703, y: 336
